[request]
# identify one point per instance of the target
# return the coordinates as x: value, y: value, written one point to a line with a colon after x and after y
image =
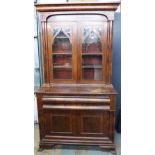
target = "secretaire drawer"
x: 76, y: 103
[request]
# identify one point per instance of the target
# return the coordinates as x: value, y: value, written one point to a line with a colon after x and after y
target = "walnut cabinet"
x: 76, y: 102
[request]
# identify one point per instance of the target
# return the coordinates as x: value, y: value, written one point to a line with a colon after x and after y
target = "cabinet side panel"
x: 109, y: 52
x: 45, y: 53
x: 40, y: 116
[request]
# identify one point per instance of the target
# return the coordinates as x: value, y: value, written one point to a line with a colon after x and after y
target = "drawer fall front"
x: 76, y: 120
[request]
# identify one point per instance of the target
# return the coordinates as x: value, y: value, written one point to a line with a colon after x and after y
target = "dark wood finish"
x: 77, y: 7
x: 76, y: 103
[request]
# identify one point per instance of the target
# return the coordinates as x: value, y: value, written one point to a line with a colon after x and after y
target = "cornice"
x: 77, y: 7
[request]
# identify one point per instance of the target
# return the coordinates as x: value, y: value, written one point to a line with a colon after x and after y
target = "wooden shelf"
x: 62, y: 37
x: 62, y: 53
x: 89, y: 54
x: 92, y: 66
x: 62, y: 66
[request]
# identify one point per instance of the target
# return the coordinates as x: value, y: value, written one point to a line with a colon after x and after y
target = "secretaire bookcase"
x: 76, y: 102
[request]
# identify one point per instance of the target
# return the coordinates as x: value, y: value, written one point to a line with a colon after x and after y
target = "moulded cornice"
x: 77, y: 7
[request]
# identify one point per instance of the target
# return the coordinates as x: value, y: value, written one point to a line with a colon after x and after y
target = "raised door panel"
x: 93, y: 123
x: 93, y: 46
x: 59, y: 123
x: 62, y: 51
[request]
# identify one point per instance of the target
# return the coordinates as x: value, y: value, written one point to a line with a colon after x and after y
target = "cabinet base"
x: 105, y: 147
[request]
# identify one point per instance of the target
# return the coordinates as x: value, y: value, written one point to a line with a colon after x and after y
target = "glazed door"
x: 62, y: 51
x: 92, y: 51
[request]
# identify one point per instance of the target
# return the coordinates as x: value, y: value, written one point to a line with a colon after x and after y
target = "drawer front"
x: 76, y: 103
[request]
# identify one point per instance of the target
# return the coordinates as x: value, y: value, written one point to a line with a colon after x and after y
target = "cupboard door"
x: 92, y: 51
x: 93, y: 123
x: 61, y: 46
x: 59, y: 122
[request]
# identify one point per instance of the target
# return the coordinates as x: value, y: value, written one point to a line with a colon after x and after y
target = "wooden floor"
x: 73, y: 150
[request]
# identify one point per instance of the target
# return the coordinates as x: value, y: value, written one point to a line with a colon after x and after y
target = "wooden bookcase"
x: 76, y: 103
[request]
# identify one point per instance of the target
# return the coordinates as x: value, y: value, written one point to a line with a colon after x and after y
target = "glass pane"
x: 93, y: 60
x: 62, y: 73
x: 62, y: 60
x: 92, y: 73
x: 91, y: 42
x: 92, y: 54
x: 62, y: 54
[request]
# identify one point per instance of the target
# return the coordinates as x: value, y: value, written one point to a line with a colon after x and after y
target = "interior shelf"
x: 62, y: 66
x: 62, y: 37
x: 67, y: 53
x: 87, y: 54
x: 92, y: 66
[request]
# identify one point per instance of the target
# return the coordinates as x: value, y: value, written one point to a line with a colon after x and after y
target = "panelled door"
x: 93, y: 123
x: 59, y: 122
x: 75, y: 123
